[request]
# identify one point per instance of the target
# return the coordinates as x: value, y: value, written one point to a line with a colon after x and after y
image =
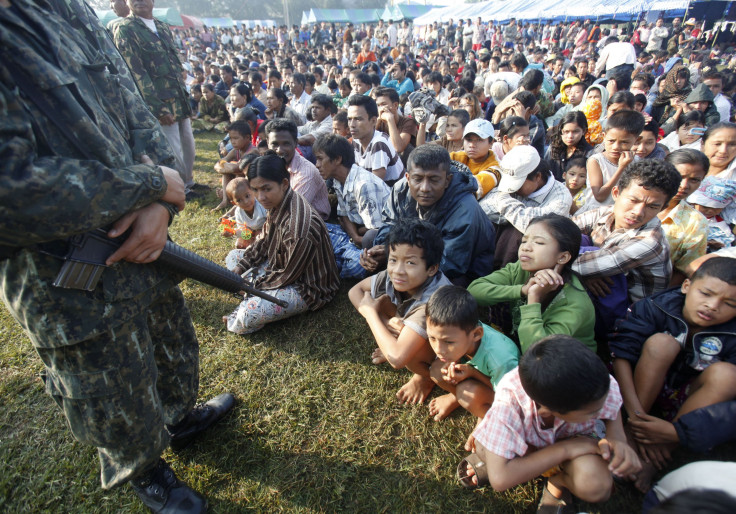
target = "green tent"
x: 168, y: 15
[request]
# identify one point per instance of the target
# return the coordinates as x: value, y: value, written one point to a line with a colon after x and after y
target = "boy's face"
x: 452, y: 343
x: 476, y: 147
x: 617, y: 141
x: 636, y: 206
x: 708, y: 212
x: 575, y: 94
x: 708, y: 301
x: 575, y: 178
x: 692, y: 176
x: 407, y: 268
x: 646, y: 144
x: 614, y: 108
x: 245, y: 200
x: 238, y: 141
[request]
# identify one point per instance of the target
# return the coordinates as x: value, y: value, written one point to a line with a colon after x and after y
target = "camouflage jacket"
x: 154, y: 61
x: 52, y: 186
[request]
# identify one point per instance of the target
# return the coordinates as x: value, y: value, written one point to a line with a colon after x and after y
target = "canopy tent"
x: 168, y: 15
x: 405, y: 11
x: 328, y: 15
x: 191, y: 22
x: 251, y: 24
x: 364, y: 15
x: 219, y: 22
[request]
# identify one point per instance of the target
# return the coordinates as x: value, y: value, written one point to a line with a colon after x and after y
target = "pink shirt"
x: 306, y: 180
x: 512, y: 425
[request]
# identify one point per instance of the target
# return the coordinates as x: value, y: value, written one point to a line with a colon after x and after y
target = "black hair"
x: 531, y: 80
x: 541, y: 169
x: 227, y: 68
x: 722, y: 268
x: 718, y: 126
x: 390, y: 92
x: 429, y: 157
x: 419, y: 233
x: 652, y: 174
x: 645, y: 77
x: 577, y: 162
x: 247, y: 160
x: 341, y: 116
x: 452, y: 306
x: 283, y: 125
x: 279, y: 94
x: 433, y: 77
x: 197, y: 88
x: 689, y: 156
x: 275, y: 74
x: 209, y: 87
x: 335, y: 146
x: 527, y: 98
x: 310, y: 79
x: 558, y: 148
x: 628, y: 121
x: 565, y: 232
x: 692, y: 116
x: 510, y: 126
x: 243, y: 89
x: 241, y: 127
x: 269, y: 166
x: 518, y: 60
x: 363, y: 77
x: 622, y: 97
x: 461, y: 115
x: 562, y: 374
x: 640, y: 98
x: 466, y: 83
x: 691, y: 501
x: 324, y: 100
x: 652, y: 127
x: 345, y: 82
x: 368, y: 103
x: 622, y: 80
x: 255, y: 76
x: 300, y: 78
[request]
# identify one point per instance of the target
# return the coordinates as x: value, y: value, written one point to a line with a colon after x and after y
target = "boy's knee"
x: 721, y: 375
x: 592, y: 481
x: 661, y: 345
x: 468, y: 391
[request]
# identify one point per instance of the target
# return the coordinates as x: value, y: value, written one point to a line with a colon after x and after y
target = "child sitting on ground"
x: 575, y: 177
x: 340, y: 125
x: 676, y: 352
x: 543, y: 422
x: 393, y: 303
x: 646, y: 147
x: 477, y: 155
x: 240, y: 138
x: 547, y: 298
x: 471, y: 357
x: 452, y: 140
x: 248, y: 214
x: 710, y: 199
x: 604, y: 169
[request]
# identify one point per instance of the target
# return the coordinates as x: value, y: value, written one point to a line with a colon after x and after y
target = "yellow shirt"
x: 487, y: 177
x: 687, y: 233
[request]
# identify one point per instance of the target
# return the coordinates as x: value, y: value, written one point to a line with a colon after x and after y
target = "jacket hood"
x: 604, y: 95
x: 702, y: 93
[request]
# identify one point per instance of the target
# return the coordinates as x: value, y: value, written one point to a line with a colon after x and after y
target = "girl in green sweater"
x: 546, y: 296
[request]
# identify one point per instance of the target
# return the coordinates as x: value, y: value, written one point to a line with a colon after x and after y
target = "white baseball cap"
x: 480, y: 127
x: 515, y: 166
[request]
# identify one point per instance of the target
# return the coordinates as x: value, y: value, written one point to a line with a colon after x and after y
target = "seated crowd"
x: 522, y: 215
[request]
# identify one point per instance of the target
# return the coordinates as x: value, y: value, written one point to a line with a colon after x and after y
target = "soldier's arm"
x: 126, y: 42
x: 58, y: 196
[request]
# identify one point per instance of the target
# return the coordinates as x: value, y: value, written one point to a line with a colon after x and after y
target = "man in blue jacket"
x: 441, y: 192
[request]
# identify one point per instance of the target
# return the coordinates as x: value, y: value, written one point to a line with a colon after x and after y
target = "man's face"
x: 699, y: 106
x: 120, y: 8
x: 283, y: 144
x: 385, y: 104
x: 715, y: 85
x: 295, y: 87
x: 427, y: 187
x: 319, y: 111
x: 358, y: 86
x: 360, y: 125
x: 397, y: 73
x: 635, y: 206
x: 142, y: 8
x: 326, y: 166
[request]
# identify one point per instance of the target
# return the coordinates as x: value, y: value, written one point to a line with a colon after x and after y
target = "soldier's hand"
x: 166, y: 119
x: 149, y: 226
x: 174, y: 188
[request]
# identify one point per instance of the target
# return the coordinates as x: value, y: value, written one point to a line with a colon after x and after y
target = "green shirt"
x: 496, y: 355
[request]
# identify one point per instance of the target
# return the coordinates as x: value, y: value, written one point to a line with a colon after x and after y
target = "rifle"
x: 85, y: 262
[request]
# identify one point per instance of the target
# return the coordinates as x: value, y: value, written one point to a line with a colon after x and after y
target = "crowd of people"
x: 573, y: 183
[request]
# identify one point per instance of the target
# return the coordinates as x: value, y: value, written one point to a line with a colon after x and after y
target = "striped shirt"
x: 361, y: 197
x: 379, y: 153
x: 306, y: 180
x: 297, y: 249
x: 642, y: 254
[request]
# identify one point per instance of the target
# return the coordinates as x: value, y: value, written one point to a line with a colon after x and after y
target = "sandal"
x: 481, y: 472
x: 551, y: 504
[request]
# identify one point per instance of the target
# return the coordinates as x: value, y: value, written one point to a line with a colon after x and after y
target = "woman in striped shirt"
x: 292, y: 259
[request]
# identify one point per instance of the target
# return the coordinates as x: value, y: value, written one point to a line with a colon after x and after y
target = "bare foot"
x: 377, y: 356
x: 644, y: 478
x: 415, y: 390
x: 221, y: 206
x: 443, y: 406
x: 218, y: 192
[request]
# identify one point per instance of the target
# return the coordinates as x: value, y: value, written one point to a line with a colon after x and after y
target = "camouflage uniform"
x: 121, y: 360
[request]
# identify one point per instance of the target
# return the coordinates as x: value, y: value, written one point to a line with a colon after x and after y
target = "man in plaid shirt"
x: 628, y: 233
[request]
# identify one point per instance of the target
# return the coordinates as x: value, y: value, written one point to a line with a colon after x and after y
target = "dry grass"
x: 316, y: 429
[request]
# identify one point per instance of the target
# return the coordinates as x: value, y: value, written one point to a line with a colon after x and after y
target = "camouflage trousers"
x: 119, y: 389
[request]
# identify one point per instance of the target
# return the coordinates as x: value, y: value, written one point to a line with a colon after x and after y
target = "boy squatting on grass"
x: 471, y: 356
x: 542, y: 422
x: 676, y: 352
x: 393, y: 303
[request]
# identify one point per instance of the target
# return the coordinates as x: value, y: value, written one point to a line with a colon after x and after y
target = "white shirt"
x: 150, y: 24
x: 615, y: 54
x: 723, y: 106
x: 301, y: 105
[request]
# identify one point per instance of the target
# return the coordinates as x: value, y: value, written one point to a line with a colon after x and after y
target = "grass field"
x: 316, y: 428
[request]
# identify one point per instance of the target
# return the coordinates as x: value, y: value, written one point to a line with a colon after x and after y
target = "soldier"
x: 148, y: 47
x: 78, y: 150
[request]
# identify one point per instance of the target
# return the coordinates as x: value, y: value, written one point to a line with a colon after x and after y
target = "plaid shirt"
x: 306, y: 180
x: 520, y: 211
x: 642, y: 254
x: 361, y: 198
x: 512, y: 426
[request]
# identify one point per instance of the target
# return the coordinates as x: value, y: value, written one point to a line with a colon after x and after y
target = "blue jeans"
x: 347, y: 255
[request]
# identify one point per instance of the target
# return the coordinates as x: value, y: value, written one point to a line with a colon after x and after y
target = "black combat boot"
x: 162, y: 492
x: 199, y: 419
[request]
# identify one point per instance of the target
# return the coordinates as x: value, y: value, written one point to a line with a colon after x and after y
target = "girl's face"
x: 571, y: 134
x: 269, y: 193
x: 594, y: 94
x: 575, y: 178
x: 539, y: 249
x: 721, y: 147
x: 246, y: 200
x: 692, y: 176
x: 209, y: 95
x: 681, y: 81
x: 236, y: 99
x: 520, y: 138
x: 469, y: 107
x: 344, y: 90
x: 646, y: 144
x: 708, y: 212
x: 453, y: 129
x: 683, y: 133
x: 239, y: 141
